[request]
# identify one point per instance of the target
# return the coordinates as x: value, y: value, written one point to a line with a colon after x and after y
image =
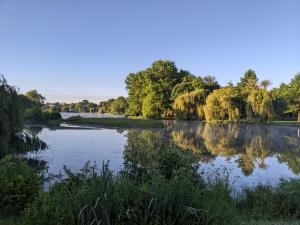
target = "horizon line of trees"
x: 163, y: 90
x: 116, y: 106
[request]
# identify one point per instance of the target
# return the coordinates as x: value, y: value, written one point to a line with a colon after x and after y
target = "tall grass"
x: 98, y: 197
x: 266, y: 201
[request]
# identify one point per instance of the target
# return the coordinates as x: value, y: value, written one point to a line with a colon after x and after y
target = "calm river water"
x: 253, y: 154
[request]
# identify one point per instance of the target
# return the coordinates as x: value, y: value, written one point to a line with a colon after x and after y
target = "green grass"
x: 116, y: 122
x: 271, y: 123
x: 284, y: 123
x: 265, y: 222
x: 9, y: 221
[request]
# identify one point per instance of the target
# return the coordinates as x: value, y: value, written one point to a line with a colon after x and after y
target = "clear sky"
x: 75, y: 49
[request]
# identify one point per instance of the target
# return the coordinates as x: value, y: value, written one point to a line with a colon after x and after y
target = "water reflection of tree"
x: 251, y: 145
x: 154, y: 149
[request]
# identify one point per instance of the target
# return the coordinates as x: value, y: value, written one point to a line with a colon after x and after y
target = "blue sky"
x: 70, y: 50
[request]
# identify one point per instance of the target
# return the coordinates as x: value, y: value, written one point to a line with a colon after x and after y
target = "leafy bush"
x: 49, y: 208
x: 34, y: 114
x: 52, y: 115
x: 19, y: 184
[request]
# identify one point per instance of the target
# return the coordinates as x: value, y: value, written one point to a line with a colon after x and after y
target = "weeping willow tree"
x: 259, y: 105
x: 10, y: 114
x: 190, y: 105
x: 12, y: 138
x: 223, y: 104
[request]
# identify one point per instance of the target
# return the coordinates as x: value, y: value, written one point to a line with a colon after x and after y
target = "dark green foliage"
x: 249, y: 81
x: 34, y: 109
x: 135, y: 85
x: 35, y: 97
x: 183, y: 87
x: 19, y: 185
x: 49, y: 208
x: 52, y: 115
x: 116, y: 122
x: 37, y: 115
x: 34, y: 114
x: 11, y: 119
x: 116, y: 106
x: 264, y: 201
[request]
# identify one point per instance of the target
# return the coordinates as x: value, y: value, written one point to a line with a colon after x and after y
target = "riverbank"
x: 270, y: 123
x: 140, y: 122
x: 115, y: 122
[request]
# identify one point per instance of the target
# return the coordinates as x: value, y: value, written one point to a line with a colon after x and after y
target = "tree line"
x: 163, y: 90
x: 116, y: 106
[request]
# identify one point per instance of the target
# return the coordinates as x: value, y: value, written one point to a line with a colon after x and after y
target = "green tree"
x: 105, y: 106
x: 151, y: 106
x: 223, y: 104
x: 190, y: 105
x: 118, y: 106
x: 11, y: 118
x: 135, y: 85
x: 65, y: 107
x: 210, y: 84
x: 186, y: 86
x: 288, y: 96
x: 35, y: 97
x: 248, y: 82
x: 295, y: 96
x: 72, y: 107
x: 280, y: 103
x: 161, y: 77
x: 259, y: 105
x: 265, y: 84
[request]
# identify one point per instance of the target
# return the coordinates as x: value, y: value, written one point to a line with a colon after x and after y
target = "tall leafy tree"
x: 249, y: 81
x: 161, y: 77
x: 210, y: 84
x: 135, y: 85
x: 260, y: 105
x: 118, y: 106
x: 295, y: 96
x: 190, y: 105
x: 35, y: 97
x: 223, y: 104
x: 185, y: 86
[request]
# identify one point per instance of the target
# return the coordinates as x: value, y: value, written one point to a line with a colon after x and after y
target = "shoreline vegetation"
x: 139, y: 122
x: 115, y: 122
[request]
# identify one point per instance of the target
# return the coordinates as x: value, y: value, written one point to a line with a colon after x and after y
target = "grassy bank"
x: 284, y: 123
x: 116, y: 122
x: 271, y: 123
